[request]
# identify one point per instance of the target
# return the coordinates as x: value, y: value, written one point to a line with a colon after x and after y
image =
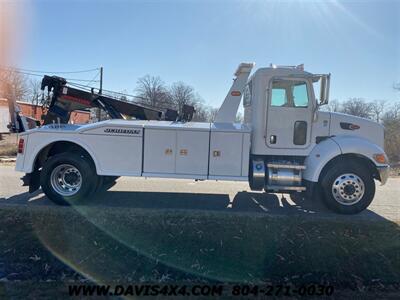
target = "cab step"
x: 285, y: 188
x: 285, y: 166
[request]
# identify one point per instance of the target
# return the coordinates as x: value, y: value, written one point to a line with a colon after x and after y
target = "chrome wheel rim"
x: 348, y: 189
x: 66, y: 180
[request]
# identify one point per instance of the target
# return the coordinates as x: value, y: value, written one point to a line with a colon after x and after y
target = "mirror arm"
x: 328, y: 84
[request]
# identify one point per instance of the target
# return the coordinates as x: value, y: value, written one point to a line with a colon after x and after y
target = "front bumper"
x: 384, y: 172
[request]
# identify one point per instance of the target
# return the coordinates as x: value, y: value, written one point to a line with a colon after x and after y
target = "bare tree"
x: 333, y: 106
x: 182, y: 94
x: 392, y: 113
x: 212, y: 113
x: 377, y: 108
x: 13, y: 85
x: 34, y: 93
x: 204, y: 113
x: 152, y: 91
x: 357, y: 107
x: 201, y: 114
x: 391, y: 122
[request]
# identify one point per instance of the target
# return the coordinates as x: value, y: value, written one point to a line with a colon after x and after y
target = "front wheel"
x: 68, y: 178
x: 348, y: 188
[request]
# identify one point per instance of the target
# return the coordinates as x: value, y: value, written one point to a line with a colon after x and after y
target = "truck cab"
x: 296, y: 146
x: 285, y: 144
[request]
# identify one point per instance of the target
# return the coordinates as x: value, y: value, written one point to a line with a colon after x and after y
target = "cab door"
x: 289, y: 113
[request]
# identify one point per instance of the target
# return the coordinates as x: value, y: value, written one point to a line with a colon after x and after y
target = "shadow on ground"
x: 245, y: 202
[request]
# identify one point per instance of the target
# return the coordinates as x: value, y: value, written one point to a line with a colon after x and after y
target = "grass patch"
x: 134, y: 245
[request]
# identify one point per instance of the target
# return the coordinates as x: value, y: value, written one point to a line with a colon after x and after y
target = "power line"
x: 113, y: 92
x: 124, y: 94
x: 71, y: 81
x: 57, y: 72
x: 93, y: 79
x: 81, y: 86
x: 41, y: 75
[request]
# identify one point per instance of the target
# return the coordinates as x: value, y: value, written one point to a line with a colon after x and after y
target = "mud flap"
x: 313, y: 190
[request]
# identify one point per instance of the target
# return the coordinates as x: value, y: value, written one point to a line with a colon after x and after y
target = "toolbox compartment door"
x: 192, y: 152
x: 229, y: 151
x: 226, y: 154
x: 159, y: 151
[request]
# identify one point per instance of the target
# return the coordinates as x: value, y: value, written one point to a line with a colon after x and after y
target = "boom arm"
x: 228, y: 109
x: 66, y: 99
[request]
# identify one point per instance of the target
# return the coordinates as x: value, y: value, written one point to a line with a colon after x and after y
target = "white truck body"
x: 152, y: 148
x: 283, y: 145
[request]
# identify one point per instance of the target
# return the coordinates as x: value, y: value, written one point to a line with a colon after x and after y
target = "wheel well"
x: 361, y: 159
x: 60, y: 147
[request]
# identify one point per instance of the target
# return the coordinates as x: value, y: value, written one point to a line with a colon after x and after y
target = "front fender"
x: 319, y: 157
x: 361, y: 146
x: 339, y: 145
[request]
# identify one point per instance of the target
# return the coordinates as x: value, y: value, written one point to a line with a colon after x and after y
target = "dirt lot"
x: 8, y: 144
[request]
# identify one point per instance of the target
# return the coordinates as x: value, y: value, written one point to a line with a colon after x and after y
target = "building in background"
x: 35, y: 112
x: 4, y: 115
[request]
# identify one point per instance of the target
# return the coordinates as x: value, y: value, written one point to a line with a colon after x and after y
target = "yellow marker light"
x: 380, y: 158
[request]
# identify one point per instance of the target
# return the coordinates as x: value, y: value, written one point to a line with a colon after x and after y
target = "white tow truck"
x: 285, y: 144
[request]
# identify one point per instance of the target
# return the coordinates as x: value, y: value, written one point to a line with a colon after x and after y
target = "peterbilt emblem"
x: 122, y: 130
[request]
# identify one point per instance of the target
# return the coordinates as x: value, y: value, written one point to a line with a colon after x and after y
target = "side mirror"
x: 324, y: 92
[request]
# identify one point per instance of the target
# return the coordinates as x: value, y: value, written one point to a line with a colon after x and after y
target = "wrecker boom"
x: 66, y: 99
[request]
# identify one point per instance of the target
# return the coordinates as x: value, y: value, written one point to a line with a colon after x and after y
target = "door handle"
x: 272, y: 139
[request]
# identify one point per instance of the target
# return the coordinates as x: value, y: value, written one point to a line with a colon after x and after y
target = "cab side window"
x: 278, y: 97
x: 289, y: 93
x: 300, y: 95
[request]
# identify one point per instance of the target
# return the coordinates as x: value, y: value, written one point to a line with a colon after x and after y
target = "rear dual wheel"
x: 68, y: 178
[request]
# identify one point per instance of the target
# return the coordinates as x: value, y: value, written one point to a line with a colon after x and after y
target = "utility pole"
x: 100, y: 91
x: 101, y: 80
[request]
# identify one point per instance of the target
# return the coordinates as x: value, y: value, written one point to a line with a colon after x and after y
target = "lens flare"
x: 282, y: 15
x: 10, y: 31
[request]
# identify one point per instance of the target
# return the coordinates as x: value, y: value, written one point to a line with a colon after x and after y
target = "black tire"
x: 337, y: 171
x: 88, y: 178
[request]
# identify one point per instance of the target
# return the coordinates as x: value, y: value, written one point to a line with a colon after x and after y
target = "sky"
x: 202, y: 42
